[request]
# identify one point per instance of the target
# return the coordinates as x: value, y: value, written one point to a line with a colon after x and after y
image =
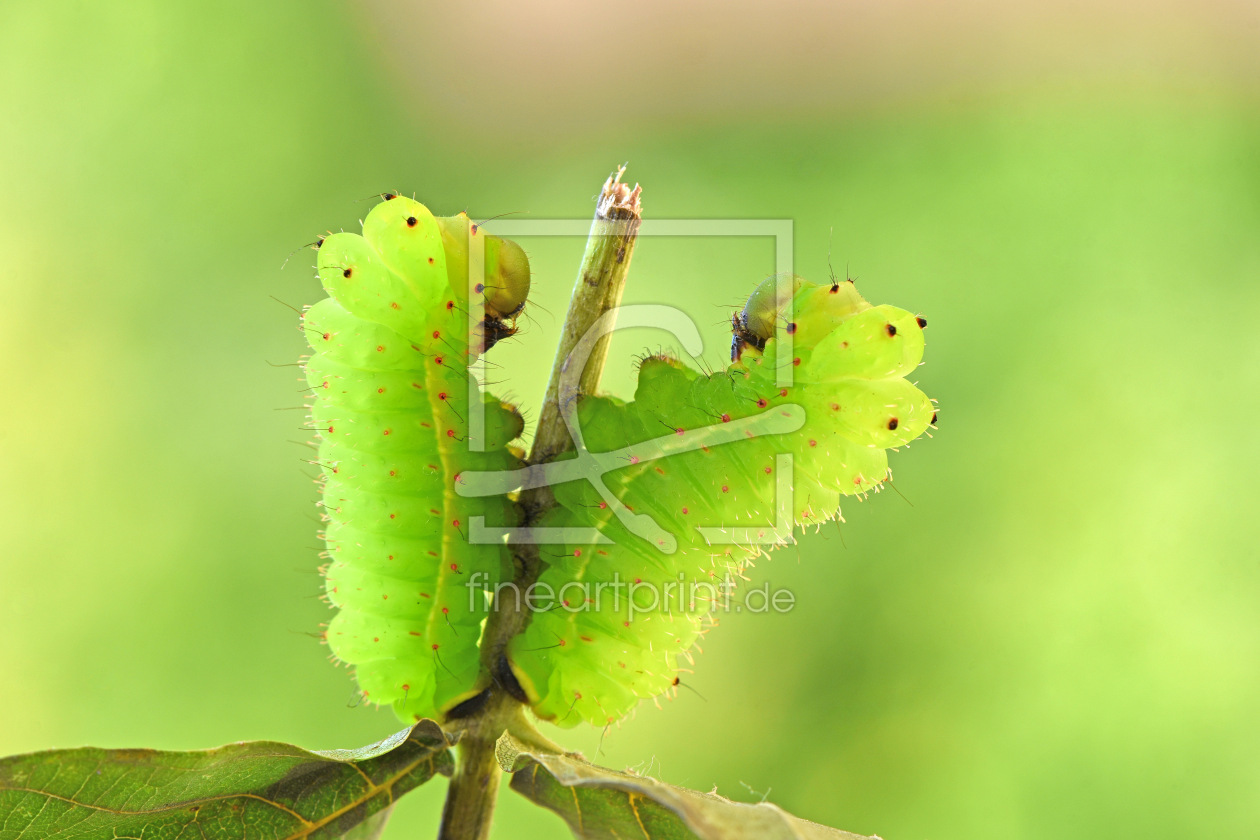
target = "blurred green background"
x: 1055, y: 634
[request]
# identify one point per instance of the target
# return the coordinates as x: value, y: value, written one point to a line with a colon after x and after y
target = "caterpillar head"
x: 804, y: 310
x: 505, y: 285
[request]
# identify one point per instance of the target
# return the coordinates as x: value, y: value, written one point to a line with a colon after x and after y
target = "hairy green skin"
x: 849, y: 361
x: 390, y: 378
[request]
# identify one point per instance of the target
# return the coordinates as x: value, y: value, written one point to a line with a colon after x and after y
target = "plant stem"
x: 470, y: 798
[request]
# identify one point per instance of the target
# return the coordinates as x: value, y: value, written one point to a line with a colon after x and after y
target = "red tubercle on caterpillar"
x: 891, y: 329
x: 393, y: 305
x: 411, y: 221
x: 921, y: 321
x: 380, y: 348
x: 726, y: 418
x: 761, y: 402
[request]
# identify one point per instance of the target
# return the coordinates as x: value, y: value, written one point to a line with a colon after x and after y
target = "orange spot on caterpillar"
x: 437, y: 360
x: 783, y: 392
x: 892, y: 424
x: 797, y: 361
x: 347, y: 272
x: 380, y: 348
x: 761, y: 402
x: 450, y: 304
x: 450, y: 433
x: 446, y: 610
x: 725, y: 489
x: 387, y: 431
x: 393, y: 515
x: 726, y: 418
x: 767, y: 471
x: 411, y: 221
x: 586, y: 638
x: 376, y: 638
x: 891, y: 329
x: 562, y: 643
x: 435, y: 646
x: 327, y: 336
x: 414, y: 633
x: 394, y: 306
x: 441, y: 395
x: 437, y: 334
x: 813, y: 443
x: 380, y: 390
x: 835, y: 406
x: 577, y: 552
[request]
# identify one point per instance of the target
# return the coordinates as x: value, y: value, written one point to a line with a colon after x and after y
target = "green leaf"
x: 257, y: 789
x: 603, y: 804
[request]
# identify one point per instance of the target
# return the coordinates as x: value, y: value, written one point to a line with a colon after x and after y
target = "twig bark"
x: 600, y: 282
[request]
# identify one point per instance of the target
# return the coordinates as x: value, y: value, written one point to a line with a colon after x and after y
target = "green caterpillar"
x: 393, y: 400
x: 847, y: 359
